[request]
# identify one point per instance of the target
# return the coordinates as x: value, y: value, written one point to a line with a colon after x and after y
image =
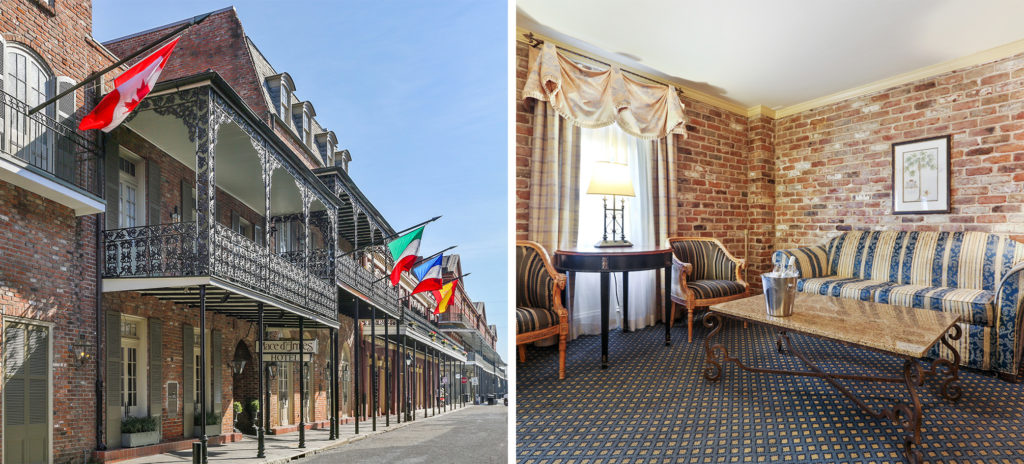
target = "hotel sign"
x: 286, y: 357
x: 289, y: 347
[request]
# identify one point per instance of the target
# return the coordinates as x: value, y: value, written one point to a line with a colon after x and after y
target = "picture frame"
x: 920, y: 176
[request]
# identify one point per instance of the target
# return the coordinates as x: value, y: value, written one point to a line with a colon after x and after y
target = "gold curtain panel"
x: 593, y: 98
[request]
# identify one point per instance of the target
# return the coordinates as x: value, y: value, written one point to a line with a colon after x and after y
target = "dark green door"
x: 26, y: 393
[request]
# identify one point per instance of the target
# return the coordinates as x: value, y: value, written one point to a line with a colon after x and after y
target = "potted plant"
x: 139, y: 431
x: 212, y: 419
x: 237, y: 407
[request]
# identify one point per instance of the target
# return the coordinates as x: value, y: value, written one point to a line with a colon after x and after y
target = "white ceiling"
x: 781, y: 52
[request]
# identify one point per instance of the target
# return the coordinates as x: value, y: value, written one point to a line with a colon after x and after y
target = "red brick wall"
x: 833, y: 164
x: 47, y: 258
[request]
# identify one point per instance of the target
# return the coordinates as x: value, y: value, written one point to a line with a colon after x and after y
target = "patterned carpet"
x: 653, y: 406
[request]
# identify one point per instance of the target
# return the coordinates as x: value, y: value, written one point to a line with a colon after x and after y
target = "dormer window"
x: 307, y: 131
x: 281, y: 90
x: 286, y: 102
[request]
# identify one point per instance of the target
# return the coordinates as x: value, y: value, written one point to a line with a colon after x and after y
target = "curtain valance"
x: 593, y: 98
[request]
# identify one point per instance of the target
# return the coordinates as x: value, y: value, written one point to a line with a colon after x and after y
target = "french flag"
x: 429, y: 274
x: 129, y: 90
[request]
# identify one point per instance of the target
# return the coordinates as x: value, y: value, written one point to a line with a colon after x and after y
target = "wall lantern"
x: 79, y: 351
x: 408, y: 360
x: 272, y: 369
x: 237, y: 366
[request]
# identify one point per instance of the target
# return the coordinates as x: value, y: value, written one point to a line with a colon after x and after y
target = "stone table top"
x: 894, y: 329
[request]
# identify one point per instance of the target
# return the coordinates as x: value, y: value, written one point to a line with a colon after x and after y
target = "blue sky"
x: 415, y: 90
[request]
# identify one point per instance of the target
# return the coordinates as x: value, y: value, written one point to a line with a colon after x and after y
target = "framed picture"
x: 920, y: 176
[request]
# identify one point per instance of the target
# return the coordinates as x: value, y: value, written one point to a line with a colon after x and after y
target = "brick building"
x: 50, y: 212
x: 148, y: 272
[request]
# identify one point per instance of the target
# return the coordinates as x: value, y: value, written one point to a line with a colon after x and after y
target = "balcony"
x: 170, y: 251
x: 47, y: 157
x: 359, y: 280
x: 458, y: 318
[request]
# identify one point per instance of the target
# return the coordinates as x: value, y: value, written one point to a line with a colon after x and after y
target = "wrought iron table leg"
x: 713, y: 371
x: 948, y: 372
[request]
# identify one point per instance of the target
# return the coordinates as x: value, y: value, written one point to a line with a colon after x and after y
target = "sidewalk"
x: 284, y: 448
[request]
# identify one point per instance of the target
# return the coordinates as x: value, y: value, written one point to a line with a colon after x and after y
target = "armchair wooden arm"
x: 557, y: 285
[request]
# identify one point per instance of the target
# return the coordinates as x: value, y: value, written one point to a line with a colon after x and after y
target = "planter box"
x: 134, y: 440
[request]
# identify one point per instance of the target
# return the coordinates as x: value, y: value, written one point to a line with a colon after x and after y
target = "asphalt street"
x: 477, y: 434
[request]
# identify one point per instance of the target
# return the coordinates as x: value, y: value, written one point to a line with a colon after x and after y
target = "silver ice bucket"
x: 779, y: 293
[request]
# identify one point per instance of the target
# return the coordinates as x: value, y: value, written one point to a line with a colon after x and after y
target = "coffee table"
x: 907, y: 333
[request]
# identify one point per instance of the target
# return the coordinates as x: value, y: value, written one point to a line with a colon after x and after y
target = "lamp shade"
x: 611, y: 178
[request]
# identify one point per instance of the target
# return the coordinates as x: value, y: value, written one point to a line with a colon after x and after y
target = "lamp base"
x: 613, y: 244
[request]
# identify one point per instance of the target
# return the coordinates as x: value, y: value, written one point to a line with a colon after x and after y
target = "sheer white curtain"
x: 612, y: 144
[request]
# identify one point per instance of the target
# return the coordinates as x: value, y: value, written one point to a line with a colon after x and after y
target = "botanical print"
x: 920, y: 175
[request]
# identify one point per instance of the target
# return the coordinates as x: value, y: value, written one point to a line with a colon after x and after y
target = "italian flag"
x: 129, y: 90
x: 444, y: 296
x: 429, y: 274
x: 403, y: 251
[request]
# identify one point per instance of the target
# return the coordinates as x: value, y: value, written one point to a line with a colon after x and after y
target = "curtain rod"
x: 536, y: 42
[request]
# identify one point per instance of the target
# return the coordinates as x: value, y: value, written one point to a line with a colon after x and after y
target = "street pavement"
x: 477, y: 434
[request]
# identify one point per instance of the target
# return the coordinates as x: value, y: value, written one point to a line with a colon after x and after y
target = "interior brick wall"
x: 833, y: 163
x: 723, y: 173
x: 761, y: 184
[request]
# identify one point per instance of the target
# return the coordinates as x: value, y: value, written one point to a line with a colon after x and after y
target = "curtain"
x: 612, y: 144
x: 554, y: 180
x: 593, y: 98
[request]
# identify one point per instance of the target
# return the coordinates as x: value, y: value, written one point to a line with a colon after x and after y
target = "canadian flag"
x: 129, y: 89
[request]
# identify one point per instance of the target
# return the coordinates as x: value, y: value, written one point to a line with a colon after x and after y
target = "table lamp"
x: 611, y: 178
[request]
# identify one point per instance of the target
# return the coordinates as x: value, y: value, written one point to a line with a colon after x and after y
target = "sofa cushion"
x: 972, y: 305
x: 846, y: 287
x: 707, y: 289
x: 534, y: 319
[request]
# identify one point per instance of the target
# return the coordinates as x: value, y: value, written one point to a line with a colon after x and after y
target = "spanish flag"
x: 444, y: 296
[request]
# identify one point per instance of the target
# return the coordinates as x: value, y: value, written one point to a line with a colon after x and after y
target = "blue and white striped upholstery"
x: 957, y: 272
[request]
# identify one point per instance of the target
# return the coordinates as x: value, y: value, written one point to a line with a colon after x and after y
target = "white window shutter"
x: 67, y: 105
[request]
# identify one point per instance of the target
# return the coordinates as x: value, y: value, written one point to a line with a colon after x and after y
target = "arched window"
x: 29, y: 81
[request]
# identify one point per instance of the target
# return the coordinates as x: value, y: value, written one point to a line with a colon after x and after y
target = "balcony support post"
x: 202, y: 370
x: 260, y: 444
x: 302, y: 384
x: 356, y: 377
x: 334, y: 384
x: 374, y: 381
x: 387, y: 375
x: 207, y: 125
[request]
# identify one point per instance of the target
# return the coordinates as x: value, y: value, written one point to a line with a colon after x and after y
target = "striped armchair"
x: 706, y: 274
x: 977, y: 275
x: 539, y: 310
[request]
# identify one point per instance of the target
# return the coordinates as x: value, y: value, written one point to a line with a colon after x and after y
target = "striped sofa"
x: 976, y: 275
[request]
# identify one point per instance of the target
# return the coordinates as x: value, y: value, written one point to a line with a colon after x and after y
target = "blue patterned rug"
x: 653, y: 406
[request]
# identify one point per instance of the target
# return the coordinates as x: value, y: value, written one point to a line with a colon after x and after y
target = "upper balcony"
x: 48, y: 157
x: 253, y: 224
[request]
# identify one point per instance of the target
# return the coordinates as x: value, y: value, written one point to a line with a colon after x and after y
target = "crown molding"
x: 984, y: 56
x: 688, y: 92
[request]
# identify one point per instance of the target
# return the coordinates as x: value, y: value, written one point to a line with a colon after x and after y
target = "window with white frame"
x: 133, y: 366
x: 131, y: 190
x: 286, y: 102
x: 307, y: 136
x: 29, y: 81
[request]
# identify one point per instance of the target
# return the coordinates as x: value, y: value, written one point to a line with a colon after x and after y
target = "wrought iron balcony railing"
x: 379, y: 291
x: 456, y: 317
x: 50, y: 147
x: 169, y: 250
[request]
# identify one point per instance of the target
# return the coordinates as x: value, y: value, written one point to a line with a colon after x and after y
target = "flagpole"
x: 374, y: 242
x: 195, y: 20
x: 458, y: 277
x: 418, y: 262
